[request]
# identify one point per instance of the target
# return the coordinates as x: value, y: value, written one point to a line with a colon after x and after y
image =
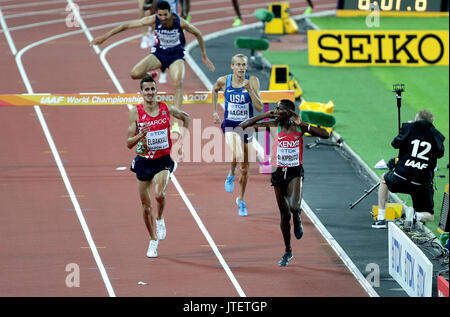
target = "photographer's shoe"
x: 379, y: 224
x: 409, y: 218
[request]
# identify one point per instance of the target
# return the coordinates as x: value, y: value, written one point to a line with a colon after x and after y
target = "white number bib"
x: 238, y: 112
x: 169, y: 39
x: 157, y: 140
x: 288, y: 157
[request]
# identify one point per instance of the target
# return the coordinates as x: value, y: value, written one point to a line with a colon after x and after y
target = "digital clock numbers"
x: 395, y: 5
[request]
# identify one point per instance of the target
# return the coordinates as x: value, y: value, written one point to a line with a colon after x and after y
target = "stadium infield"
x: 365, y: 106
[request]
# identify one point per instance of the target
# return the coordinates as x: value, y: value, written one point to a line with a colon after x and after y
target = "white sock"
x: 381, y: 214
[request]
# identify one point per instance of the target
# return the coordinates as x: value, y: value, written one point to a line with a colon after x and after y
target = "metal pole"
x: 398, y: 89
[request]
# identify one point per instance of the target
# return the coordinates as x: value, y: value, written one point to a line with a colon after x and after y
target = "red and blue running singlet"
x: 238, y: 104
x: 156, y: 142
x: 169, y: 39
x: 287, y: 150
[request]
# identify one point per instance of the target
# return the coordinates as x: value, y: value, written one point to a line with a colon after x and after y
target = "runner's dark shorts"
x: 232, y: 126
x: 421, y: 195
x: 282, y: 176
x: 167, y: 57
x: 146, y: 169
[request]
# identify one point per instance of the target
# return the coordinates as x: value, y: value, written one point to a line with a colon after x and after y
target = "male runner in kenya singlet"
x: 287, y: 179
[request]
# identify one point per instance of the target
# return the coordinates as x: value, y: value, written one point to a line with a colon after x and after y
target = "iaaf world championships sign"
x: 347, y: 48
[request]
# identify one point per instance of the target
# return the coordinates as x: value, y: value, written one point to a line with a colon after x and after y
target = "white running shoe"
x: 152, y: 251
x: 160, y: 229
x: 144, y: 42
x: 150, y: 40
x: 162, y: 78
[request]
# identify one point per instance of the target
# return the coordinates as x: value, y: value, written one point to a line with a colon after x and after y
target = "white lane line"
x: 83, y: 26
x: 128, y: 11
x: 333, y: 243
x: 63, y: 173
x: 108, y: 67
x: 208, y: 237
x: 48, y: 22
x: 339, y: 251
x: 172, y: 176
x: 62, y: 11
x: 38, y: 3
x: 12, y: 47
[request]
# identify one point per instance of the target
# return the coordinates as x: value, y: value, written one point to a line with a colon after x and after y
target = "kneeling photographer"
x: 420, y: 144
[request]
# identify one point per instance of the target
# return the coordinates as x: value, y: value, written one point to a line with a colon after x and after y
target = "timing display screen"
x: 395, y: 5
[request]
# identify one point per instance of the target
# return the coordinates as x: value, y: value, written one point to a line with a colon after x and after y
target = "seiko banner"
x: 348, y: 48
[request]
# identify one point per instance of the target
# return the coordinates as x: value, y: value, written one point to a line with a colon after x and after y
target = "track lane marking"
x: 12, y: 47
x: 172, y: 176
x: 82, y: 24
x: 339, y: 251
x: 128, y: 11
x: 60, y: 166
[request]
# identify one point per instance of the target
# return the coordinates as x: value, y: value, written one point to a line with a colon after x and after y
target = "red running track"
x: 40, y: 232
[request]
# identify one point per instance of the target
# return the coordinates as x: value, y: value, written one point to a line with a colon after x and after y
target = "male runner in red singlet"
x: 149, y: 131
x: 287, y: 155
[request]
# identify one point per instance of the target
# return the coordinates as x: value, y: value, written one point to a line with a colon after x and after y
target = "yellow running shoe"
x: 308, y: 10
x: 175, y: 128
x: 237, y: 22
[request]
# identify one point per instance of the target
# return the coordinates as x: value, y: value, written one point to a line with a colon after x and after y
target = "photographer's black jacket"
x: 420, y: 144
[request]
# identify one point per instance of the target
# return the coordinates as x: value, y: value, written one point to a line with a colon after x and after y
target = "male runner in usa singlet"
x: 241, y: 93
x: 149, y: 131
x: 168, y: 51
x: 287, y: 158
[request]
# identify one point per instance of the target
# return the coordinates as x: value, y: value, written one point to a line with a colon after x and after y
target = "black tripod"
x: 398, y: 89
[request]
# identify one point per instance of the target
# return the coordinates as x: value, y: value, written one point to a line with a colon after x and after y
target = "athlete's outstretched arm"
x: 196, y: 32
x: 145, y: 21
